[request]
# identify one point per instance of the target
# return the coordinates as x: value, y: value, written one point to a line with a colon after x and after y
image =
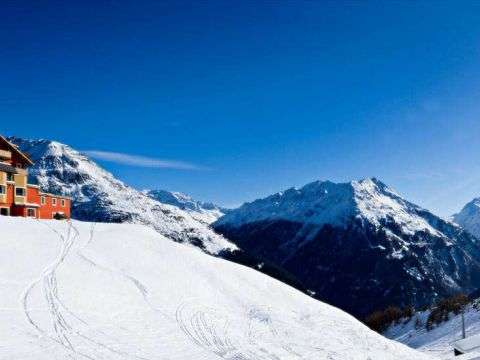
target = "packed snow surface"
x: 439, y: 340
x: 123, y: 291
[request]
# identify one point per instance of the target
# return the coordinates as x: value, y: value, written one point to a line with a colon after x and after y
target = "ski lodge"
x: 17, y: 196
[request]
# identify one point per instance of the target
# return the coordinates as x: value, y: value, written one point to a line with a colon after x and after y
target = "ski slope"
x: 123, y: 291
x: 439, y: 340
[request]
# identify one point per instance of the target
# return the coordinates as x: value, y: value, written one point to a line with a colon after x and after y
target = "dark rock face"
x: 361, y: 268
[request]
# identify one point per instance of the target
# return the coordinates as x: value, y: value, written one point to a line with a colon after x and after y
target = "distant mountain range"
x: 99, y: 196
x: 357, y: 245
x: 203, y: 211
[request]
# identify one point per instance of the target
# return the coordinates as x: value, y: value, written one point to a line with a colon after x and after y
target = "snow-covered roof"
x: 471, y: 356
x: 468, y: 344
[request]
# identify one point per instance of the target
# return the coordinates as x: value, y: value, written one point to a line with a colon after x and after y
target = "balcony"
x: 11, y: 169
x: 5, y: 154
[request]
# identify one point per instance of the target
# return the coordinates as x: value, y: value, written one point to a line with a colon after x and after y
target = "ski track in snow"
x: 62, y: 328
x: 142, y: 288
x: 49, y: 281
x: 123, y: 292
x: 208, y: 328
x: 212, y: 329
x: 203, y: 332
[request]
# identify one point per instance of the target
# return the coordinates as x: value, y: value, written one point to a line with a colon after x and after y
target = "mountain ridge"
x: 205, y: 211
x: 359, y: 238
x: 469, y: 217
x: 98, y: 196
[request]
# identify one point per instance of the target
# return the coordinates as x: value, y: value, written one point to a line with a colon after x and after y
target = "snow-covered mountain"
x: 357, y: 245
x: 123, y: 291
x: 99, y: 196
x: 469, y: 217
x: 202, y: 211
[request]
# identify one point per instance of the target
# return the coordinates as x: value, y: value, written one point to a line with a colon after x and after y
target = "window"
x: 43, y: 201
x: 4, y: 211
x: 59, y: 216
x: 63, y: 202
x: 54, y: 202
x: 3, y: 189
x: 10, y: 177
x: 20, y: 191
x: 30, y: 212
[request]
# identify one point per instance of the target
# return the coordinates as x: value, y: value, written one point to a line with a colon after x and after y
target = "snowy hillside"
x: 202, y: 211
x: 469, y: 217
x: 121, y: 291
x: 98, y: 196
x: 437, y: 341
x: 359, y: 238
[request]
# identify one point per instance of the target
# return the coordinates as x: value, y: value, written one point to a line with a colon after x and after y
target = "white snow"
x: 325, y: 202
x: 469, y: 217
x: 204, y: 212
x: 123, y: 291
x: 439, y: 340
x: 469, y: 344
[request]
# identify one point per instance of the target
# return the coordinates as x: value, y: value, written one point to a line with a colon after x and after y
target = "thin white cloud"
x: 414, y: 176
x: 141, y: 161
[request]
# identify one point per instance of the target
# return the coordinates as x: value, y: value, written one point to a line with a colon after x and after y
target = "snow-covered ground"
x: 123, y: 291
x: 437, y: 341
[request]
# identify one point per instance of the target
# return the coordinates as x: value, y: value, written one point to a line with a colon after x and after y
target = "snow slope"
x: 357, y: 245
x: 122, y: 291
x: 99, y: 196
x: 469, y: 217
x: 438, y: 340
x: 199, y: 210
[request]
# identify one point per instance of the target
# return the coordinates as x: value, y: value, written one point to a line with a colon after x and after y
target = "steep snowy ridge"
x: 359, y: 238
x: 469, y: 217
x: 324, y: 202
x: 202, y: 211
x: 122, y: 291
x: 98, y: 196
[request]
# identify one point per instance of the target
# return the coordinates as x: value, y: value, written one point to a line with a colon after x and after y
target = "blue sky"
x: 230, y: 101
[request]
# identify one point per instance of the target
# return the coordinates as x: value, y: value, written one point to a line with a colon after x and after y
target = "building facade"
x: 17, y: 196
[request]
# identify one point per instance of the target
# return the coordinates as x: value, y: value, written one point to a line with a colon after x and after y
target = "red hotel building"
x: 17, y: 197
